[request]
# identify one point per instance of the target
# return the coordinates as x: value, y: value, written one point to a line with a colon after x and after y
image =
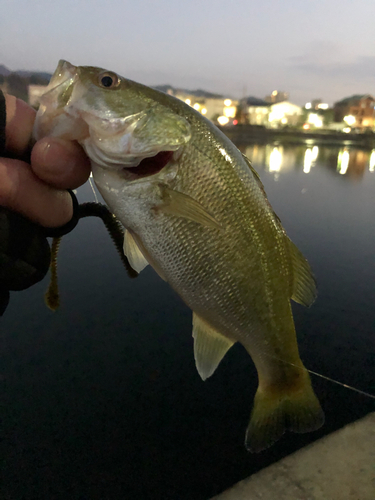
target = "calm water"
x: 101, y: 400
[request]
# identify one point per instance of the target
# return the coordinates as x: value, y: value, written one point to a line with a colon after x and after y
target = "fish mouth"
x: 148, y: 166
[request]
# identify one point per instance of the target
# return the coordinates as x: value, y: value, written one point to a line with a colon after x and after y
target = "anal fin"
x: 210, y: 347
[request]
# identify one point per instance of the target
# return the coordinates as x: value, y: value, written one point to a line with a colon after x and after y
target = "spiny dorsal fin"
x: 304, y: 284
x: 136, y: 258
x: 210, y: 347
x: 182, y: 205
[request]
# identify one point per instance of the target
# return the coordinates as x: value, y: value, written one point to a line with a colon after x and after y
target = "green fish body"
x: 194, y: 208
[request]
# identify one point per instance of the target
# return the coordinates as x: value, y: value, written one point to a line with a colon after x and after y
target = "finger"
x: 20, y: 119
x: 23, y: 192
x: 60, y: 163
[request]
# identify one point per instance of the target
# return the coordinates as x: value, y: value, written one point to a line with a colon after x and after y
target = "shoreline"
x: 245, y: 134
x: 337, y: 466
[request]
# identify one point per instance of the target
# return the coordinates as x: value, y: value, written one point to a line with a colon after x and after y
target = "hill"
x: 196, y: 93
x: 4, y: 71
x: 33, y: 77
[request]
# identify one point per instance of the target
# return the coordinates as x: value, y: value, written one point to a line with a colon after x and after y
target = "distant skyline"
x: 311, y: 49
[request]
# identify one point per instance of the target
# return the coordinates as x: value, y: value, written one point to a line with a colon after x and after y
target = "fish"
x: 194, y: 208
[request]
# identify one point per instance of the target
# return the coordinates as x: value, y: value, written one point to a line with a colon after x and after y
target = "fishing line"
x: 372, y: 396
x: 93, y: 188
x: 359, y: 391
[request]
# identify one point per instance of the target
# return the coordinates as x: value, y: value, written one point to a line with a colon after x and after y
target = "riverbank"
x: 340, y: 466
x: 245, y: 134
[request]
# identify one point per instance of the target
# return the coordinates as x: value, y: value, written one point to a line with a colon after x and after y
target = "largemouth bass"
x: 195, y: 209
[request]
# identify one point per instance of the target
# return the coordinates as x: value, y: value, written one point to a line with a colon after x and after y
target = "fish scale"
x: 201, y: 218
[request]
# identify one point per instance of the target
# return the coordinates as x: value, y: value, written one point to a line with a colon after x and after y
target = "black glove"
x: 24, y: 249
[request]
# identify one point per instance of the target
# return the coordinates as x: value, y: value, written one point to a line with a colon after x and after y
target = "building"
x: 277, y: 96
x: 356, y: 111
x: 214, y: 108
x: 284, y: 113
x: 258, y: 112
x: 255, y: 111
x: 316, y: 104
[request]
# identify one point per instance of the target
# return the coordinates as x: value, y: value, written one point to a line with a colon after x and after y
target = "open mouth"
x: 149, y: 166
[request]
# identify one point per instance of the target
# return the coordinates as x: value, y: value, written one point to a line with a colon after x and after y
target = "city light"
x: 310, y: 157
x: 346, y: 130
x: 306, y: 126
x: 227, y: 102
x: 308, y: 105
x: 230, y: 111
x: 284, y: 121
x: 314, y: 153
x: 372, y: 161
x: 315, y: 120
x: 323, y: 105
x: 349, y: 120
x: 188, y: 101
x: 275, y: 160
x: 203, y: 111
x: 196, y: 106
x: 276, y: 115
x: 307, y: 161
x: 223, y: 120
x: 343, y: 162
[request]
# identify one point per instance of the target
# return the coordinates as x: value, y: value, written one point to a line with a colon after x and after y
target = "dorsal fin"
x: 136, y: 258
x: 255, y: 174
x: 210, y: 347
x: 304, y: 284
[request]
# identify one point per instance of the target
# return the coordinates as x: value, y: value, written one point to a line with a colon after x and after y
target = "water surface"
x: 102, y: 400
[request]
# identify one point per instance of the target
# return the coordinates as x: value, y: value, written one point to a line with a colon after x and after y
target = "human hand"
x: 37, y: 189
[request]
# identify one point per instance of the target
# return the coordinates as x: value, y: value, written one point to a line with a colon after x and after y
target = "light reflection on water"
x: 280, y: 158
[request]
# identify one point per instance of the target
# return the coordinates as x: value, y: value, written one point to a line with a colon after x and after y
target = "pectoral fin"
x: 136, y: 258
x: 304, y: 285
x: 210, y: 347
x: 182, y: 205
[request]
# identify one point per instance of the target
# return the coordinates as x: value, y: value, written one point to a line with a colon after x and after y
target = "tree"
x: 17, y: 86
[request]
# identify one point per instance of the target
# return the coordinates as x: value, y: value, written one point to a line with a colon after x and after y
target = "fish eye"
x: 109, y: 80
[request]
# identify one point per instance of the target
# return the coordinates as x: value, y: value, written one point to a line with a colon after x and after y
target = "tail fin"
x: 274, y: 412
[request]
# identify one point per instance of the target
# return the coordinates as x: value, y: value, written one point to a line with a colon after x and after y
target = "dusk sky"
x: 311, y: 49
